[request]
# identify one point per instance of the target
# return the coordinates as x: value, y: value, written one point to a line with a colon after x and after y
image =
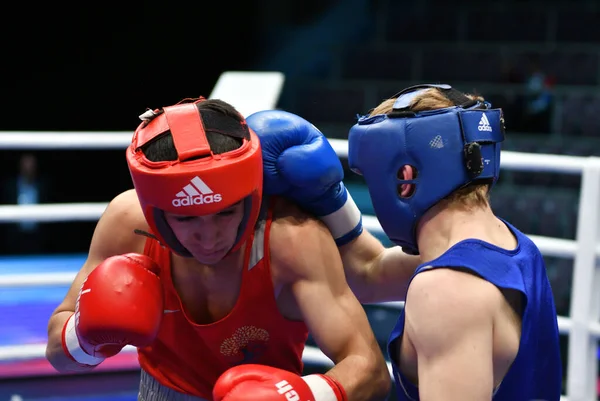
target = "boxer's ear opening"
x: 407, y: 173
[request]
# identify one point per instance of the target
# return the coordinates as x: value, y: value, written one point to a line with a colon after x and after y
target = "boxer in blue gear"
x: 479, y: 320
x: 300, y: 164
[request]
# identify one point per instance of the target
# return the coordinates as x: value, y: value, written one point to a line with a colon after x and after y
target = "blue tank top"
x: 536, y: 372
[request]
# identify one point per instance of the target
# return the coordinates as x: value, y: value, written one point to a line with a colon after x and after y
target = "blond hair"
x: 471, y: 196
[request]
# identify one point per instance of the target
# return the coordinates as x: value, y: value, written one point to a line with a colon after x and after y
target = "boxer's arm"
x: 375, y: 273
x: 112, y: 236
x: 449, y: 321
x: 306, y: 253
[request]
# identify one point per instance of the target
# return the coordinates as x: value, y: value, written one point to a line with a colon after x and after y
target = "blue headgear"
x: 449, y: 148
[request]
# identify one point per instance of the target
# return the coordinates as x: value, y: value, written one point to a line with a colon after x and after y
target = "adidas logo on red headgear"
x: 196, y: 193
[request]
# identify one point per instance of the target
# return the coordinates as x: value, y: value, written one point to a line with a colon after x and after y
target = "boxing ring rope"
x: 583, y: 326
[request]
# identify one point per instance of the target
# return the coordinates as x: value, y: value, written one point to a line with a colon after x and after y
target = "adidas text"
x: 197, y: 200
x: 484, y: 124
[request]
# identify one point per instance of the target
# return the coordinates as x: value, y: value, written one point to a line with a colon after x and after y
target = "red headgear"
x: 198, y: 182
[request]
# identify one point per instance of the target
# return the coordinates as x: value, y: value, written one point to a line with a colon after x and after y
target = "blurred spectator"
x: 25, y: 188
x: 537, y: 111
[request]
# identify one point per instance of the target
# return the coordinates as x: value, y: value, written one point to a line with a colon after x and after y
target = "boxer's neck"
x: 217, y: 274
x: 443, y: 227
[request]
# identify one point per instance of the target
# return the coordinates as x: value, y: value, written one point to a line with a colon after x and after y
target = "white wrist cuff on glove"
x: 71, y: 343
x: 343, y: 220
x: 320, y: 388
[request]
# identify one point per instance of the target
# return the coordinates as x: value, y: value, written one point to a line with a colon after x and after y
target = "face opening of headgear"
x: 199, y: 182
x: 450, y: 148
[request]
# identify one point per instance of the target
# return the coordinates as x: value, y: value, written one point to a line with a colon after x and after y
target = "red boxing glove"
x: 260, y: 382
x: 120, y: 303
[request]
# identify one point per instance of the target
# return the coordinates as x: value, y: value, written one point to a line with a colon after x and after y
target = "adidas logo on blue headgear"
x: 450, y: 148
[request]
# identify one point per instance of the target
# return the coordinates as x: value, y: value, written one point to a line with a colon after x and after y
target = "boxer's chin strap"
x: 148, y: 235
x: 145, y: 234
x: 325, y: 388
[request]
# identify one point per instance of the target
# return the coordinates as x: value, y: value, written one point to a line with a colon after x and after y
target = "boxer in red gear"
x: 226, y: 283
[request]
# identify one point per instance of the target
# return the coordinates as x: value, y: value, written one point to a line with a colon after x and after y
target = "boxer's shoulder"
x: 290, y: 220
x: 452, y: 295
x: 288, y: 214
x: 117, y: 225
x: 294, y: 232
x: 125, y: 208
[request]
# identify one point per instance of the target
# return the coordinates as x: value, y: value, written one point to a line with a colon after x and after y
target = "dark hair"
x: 225, y: 130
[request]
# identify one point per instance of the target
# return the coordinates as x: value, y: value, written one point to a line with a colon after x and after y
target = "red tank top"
x: 189, y: 357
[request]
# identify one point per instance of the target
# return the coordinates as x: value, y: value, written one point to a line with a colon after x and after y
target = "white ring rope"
x: 92, y: 212
x: 120, y: 140
x: 509, y: 160
x: 65, y: 140
x: 52, y: 212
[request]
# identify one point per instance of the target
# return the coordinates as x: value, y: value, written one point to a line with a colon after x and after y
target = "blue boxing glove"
x: 300, y: 164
